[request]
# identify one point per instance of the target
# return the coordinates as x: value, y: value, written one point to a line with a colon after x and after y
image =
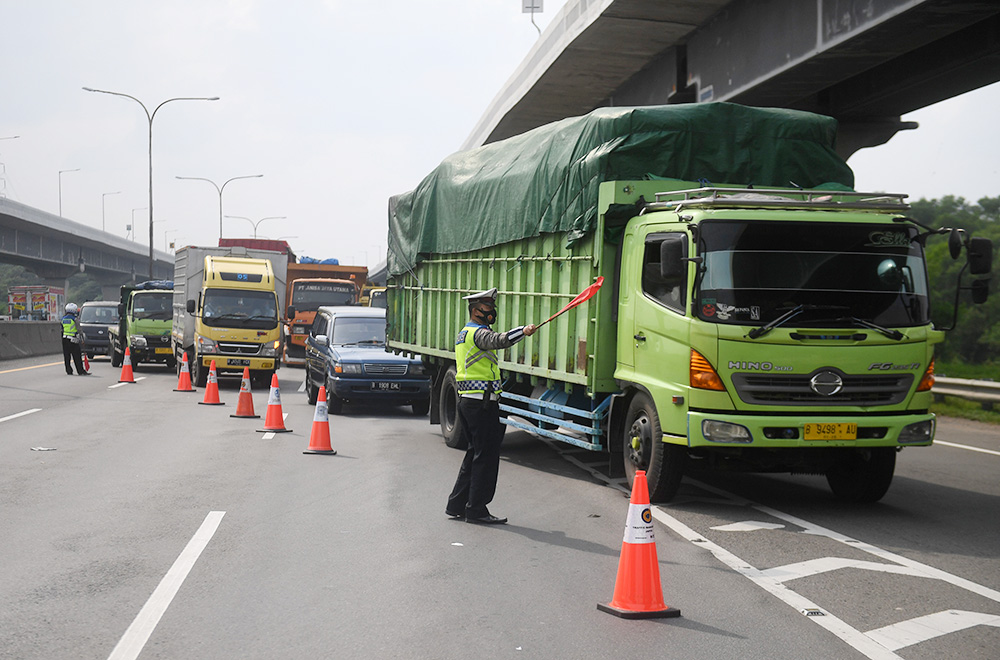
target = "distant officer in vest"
x: 478, y: 380
x: 72, y: 338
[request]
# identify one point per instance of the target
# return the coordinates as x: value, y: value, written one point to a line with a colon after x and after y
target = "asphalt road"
x: 154, y: 527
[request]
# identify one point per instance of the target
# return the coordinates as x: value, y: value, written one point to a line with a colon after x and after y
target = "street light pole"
x: 132, y: 226
x: 60, y: 187
x: 257, y: 224
x: 219, y: 189
x: 150, y: 116
x: 103, y: 197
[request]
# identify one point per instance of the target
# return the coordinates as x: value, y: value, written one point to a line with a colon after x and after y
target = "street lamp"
x: 150, y: 116
x: 60, y: 187
x: 257, y: 224
x: 103, y: 197
x: 219, y: 189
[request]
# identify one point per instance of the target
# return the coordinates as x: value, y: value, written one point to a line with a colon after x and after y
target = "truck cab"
x: 307, y: 295
x: 144, y: 324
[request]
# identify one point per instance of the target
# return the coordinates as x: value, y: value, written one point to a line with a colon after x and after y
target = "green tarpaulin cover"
x: 546, y: 180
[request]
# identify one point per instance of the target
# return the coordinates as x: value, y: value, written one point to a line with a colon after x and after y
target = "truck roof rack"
x: 780, y: 198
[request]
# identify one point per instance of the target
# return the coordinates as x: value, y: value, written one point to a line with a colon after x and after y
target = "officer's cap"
x: 490, y: 296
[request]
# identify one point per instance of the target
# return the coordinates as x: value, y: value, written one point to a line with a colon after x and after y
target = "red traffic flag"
x: 584, y: 296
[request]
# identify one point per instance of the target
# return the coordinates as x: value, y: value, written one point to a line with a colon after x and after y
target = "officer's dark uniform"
x: 70, y: 344
x: 478, y: 380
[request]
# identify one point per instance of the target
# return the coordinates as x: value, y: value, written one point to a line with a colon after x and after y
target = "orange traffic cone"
x: 212, y: 389
x: 184, y: 379
x: 86, y: 363
x: 244, y: 406
x: 319, y: 439
x: 638, y: 594
x: 126, y: 376
x: 274, y: 420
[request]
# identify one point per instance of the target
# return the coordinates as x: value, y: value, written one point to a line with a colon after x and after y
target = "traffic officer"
x: 71, y: 340
x: 478, y: 380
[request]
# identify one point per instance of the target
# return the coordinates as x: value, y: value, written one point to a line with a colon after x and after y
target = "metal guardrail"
x: 986, y: 392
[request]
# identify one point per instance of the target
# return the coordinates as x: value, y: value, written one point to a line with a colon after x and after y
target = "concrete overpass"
x: 55, y: 248
x: 865, y: 62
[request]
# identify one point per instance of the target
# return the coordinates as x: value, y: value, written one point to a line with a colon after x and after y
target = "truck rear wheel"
x: 864, y: 476
x: 645, y: 450
x: 448, y: 407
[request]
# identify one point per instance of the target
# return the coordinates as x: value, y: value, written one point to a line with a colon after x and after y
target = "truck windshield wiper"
x: 891, y: 334
x: 788, y: 316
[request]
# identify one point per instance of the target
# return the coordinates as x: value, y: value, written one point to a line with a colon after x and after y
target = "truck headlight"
x: 138, y: 341
x: 919, y: 432
x: 272, y: 349
x: 346, y: 368
x: 206, y: 345
x: 725, y: 432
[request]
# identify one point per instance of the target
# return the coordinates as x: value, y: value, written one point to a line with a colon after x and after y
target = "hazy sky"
x: 338, y: 104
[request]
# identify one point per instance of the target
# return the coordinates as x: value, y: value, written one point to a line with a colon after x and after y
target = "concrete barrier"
x: 19, y: 339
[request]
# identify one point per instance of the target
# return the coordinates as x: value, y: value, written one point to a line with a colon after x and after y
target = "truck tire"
x: 644, y: 449
x: 116, y: 358
x: 448, y: 407
x: 199, y: 374
x: 864, y: 476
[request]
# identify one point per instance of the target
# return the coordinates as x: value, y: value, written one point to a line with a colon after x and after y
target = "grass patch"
x: 956, y: 407
x: 987, y: 371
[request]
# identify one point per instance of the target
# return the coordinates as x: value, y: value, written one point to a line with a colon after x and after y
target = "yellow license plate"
x: 164, y: 350
x: 838, y: 431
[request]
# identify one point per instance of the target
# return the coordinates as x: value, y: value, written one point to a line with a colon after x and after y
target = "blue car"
x: 345, y: 352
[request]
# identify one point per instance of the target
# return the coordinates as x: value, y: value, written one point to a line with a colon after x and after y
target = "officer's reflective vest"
x: 69, y: 326
x: 478, y: 370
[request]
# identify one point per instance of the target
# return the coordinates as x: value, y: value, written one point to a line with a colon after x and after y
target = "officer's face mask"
x: 487, y: 313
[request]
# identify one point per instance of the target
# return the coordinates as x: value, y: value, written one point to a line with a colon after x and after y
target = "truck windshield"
x: 153, y: 305
x: 309, y: 296
x: 228, y: 308
x: 842, y: 274
x: 356, y: 330
x: 106, y: 315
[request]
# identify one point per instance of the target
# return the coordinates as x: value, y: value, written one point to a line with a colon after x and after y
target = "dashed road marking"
x: 958, y: 446
x: 20, y: 414
x: 111, y: 387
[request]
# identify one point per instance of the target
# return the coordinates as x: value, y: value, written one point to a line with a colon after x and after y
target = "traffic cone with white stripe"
x: 274, y: 420
x: 244, y: 405
x: 319, y: 439
x: 638, y: 594
x: 126, y: 376
x: 184, y: 378
x: 211, y: 388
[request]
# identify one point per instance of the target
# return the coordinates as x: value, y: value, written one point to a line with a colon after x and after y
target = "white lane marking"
x: 135, y: 638
x: 855, y: 638
x: 302, y: 387
x: 748, y: 526
x: 826, y: 564
x: 20, y: 414
x: 270, y: 435
x: 111, y: 387
x: 957, y: 446
x: 921, y: 629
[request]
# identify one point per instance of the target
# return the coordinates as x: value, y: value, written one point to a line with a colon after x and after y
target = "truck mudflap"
x: 708, y: 429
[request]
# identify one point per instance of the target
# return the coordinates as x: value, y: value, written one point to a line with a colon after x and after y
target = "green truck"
x: 757, y: 313
x: 145, y: 317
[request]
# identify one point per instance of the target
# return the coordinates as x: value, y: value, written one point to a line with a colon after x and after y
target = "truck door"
x: 661, y: 323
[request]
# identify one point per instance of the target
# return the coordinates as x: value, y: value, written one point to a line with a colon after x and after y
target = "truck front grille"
x: 233, y: 348
x: 385, y: 369
x: 795, y: 389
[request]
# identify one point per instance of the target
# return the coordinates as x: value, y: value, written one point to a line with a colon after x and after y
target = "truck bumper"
x: 708, y: 429
x: 234, y: 366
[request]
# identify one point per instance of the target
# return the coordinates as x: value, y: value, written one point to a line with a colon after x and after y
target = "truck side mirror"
x: 980, y: 256
x: 672, y: 266
x: 955, y: 243
x: 980, y: 291
x: 121, y: 309
x: 190, y: 307
x: 291, y: 312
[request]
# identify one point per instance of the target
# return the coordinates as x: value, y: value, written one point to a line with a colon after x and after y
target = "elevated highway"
x: 864, y: 62
x: 55, y: 248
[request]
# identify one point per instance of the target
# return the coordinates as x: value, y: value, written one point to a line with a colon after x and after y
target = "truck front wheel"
x: 864, y: 476
x: 448, y: 407
x: 116, y: 357
x: 645, y: 450
x: 199, y: 374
